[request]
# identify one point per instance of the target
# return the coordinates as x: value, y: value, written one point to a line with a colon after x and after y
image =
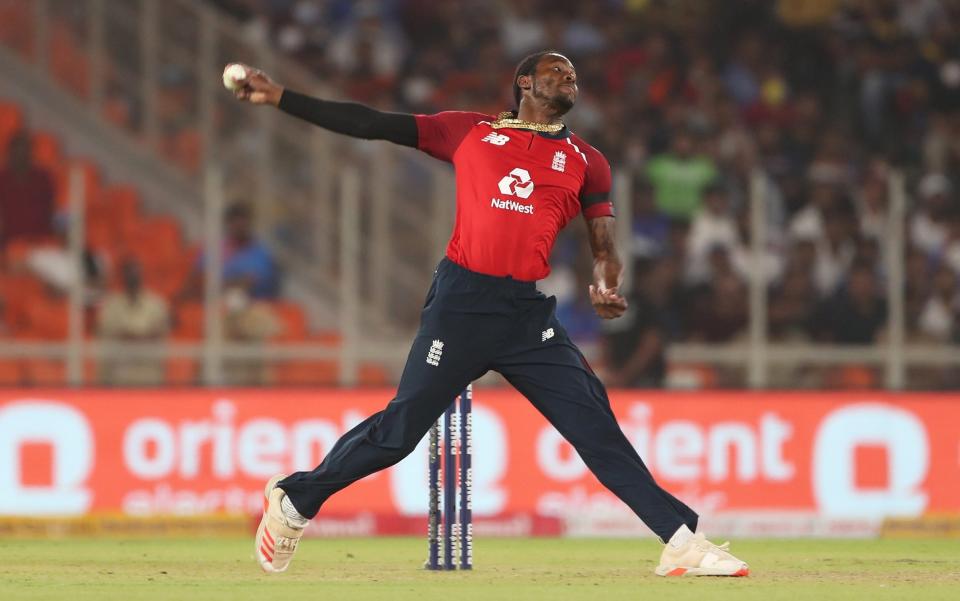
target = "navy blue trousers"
x: 488, y: 323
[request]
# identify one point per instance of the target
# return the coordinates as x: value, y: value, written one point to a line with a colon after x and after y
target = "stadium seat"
x: 11, y: 372
x: 119, y: 201
x: 18, y: 292
x: 182, y: 372
x: 11, y: 121
x: 16, y: 27
x: 189, y: 321
x: 46, y: 150
x: 851, y: 377
x: 306, y: 373
x: 45, y: 372
x: 294, y: 321
x: 68, y: 63
x: 47, y: 319
x: 372, y: 374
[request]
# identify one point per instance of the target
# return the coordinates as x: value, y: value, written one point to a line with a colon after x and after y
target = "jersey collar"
x: 560, y: 135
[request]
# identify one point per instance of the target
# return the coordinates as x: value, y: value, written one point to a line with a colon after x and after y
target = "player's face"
x: 555, y: 81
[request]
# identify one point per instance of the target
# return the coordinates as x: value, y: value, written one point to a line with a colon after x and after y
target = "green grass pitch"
x: 390, y: 569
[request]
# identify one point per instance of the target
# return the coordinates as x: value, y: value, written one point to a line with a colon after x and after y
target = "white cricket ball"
x: 233, y: 74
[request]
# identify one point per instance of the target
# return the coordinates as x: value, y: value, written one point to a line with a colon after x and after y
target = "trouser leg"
x: 451, y: 349
x: 384, y: 438
x: 553, y: 375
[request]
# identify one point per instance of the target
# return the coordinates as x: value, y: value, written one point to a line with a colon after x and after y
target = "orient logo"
x: 517, y: 183
x: 67, y: 438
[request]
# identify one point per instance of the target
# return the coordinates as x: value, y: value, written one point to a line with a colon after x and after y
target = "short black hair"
x: 527, y: 67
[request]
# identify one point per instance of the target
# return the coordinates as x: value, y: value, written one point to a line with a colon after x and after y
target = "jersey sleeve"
x: 595, y: 195
x: 439, y: 135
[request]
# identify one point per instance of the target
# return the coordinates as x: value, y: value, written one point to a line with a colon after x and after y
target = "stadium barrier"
x: 753, y: 464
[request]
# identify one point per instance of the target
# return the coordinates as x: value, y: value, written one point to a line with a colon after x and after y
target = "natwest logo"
x: 511, y: 205
x: 517, y: 183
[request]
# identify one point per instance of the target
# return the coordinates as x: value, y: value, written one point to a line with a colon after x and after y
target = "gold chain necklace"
x: 507, y: 120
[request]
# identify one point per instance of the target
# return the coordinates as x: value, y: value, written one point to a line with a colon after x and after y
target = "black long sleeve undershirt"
x: 351, y: 119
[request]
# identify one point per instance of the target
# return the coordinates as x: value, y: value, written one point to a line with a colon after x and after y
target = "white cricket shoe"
x: 700, y: 557
x: 277, y: 535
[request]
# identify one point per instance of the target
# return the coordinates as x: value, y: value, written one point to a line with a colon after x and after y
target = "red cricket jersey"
x: 516, y: 189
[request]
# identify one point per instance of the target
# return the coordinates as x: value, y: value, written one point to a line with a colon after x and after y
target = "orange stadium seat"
x: 53, y: 372
x: 110, y: 216
x: 186, y: 149
x: 17, y: 250
x: 155, y: 240
x: 45, y: 372
x: 68, y: 63
x: 47, y: 319
x: 19, y: 291
x: 372, y: 374
x: 294, y: 321
x: 306, y: 373
x: 181, y: 371
x: 11, y: 121
x: 46, y: 150
x: 11, y: 372
x: 16, y: 27
x: 852, y: 377
x: 189, y: 321
x: 327, y: 337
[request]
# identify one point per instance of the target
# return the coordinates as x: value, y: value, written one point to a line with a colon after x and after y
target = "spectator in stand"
x: 938, y: 319
x: 53, y: 264
x: 808, y: 222
x: 635, y: 345
x: 835, y: 249
x: 871, y: 202
x: 368, y: 45
x: 918, y: 276
x: 951, y: 246
x: 650, y: 227
x: 250, y: 277
x: 855, y: 315
x: 713, y: 226
x: 133, y: 314
x: 248, y: 266
x: 26, y: 195
x: 717, y: 312
x: 680, y: 176
x: 792, y: 306
x: 928, y: 231
x: 743, y: 258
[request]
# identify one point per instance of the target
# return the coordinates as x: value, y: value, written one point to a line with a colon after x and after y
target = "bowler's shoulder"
x: 591, y: 154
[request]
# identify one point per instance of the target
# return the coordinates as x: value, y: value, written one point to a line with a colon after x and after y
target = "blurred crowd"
x: 808, y: 105
x: 822, y: 98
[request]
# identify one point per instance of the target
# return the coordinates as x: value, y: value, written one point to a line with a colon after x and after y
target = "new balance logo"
x: 559, y: 161
x: 433, y: 355
x: 517, y: 183
x: 495, y: 139
x: 546, y: 335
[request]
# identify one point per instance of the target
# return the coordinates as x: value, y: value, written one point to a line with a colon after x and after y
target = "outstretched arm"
x: 347, y: 118
x: 607, y: 269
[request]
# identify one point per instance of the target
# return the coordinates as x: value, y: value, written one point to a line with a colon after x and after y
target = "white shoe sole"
x: 681, y: 571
